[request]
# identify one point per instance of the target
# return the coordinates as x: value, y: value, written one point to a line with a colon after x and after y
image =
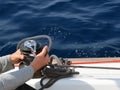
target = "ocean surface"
x: 78, y: 28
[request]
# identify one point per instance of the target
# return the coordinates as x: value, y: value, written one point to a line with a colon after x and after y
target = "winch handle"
x: 36, y: 37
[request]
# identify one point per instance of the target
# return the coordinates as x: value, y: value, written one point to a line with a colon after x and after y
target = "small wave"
x: 94, y: 46
x: 76, y: 26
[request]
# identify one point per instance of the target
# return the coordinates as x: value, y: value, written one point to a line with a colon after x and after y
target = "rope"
x: 54, y: 73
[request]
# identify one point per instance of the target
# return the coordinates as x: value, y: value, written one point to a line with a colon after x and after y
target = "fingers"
x: 45, y: 50
x: 21, y: 57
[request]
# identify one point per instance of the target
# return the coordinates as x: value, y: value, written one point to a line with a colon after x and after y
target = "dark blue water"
x: 78, y: 28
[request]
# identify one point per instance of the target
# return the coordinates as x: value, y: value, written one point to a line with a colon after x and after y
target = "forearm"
x: 5, y: 64
x: 11, y: 80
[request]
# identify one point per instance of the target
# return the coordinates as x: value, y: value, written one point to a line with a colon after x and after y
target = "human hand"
x: 41, y: 59
x: 16, y: 57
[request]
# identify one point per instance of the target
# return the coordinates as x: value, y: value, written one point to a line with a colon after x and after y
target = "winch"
x: 29, y: 49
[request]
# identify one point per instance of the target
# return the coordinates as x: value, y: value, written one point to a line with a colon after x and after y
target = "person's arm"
x: 11, y: 80
x: 5, y: 64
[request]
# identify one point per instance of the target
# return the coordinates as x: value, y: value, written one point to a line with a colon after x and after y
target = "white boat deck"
x: 88, y: 79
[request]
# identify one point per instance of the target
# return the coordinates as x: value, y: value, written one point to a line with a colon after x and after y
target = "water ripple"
x: 79, y: 28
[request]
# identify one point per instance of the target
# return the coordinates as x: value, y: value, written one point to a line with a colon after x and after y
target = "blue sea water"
x: 78, y: 28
